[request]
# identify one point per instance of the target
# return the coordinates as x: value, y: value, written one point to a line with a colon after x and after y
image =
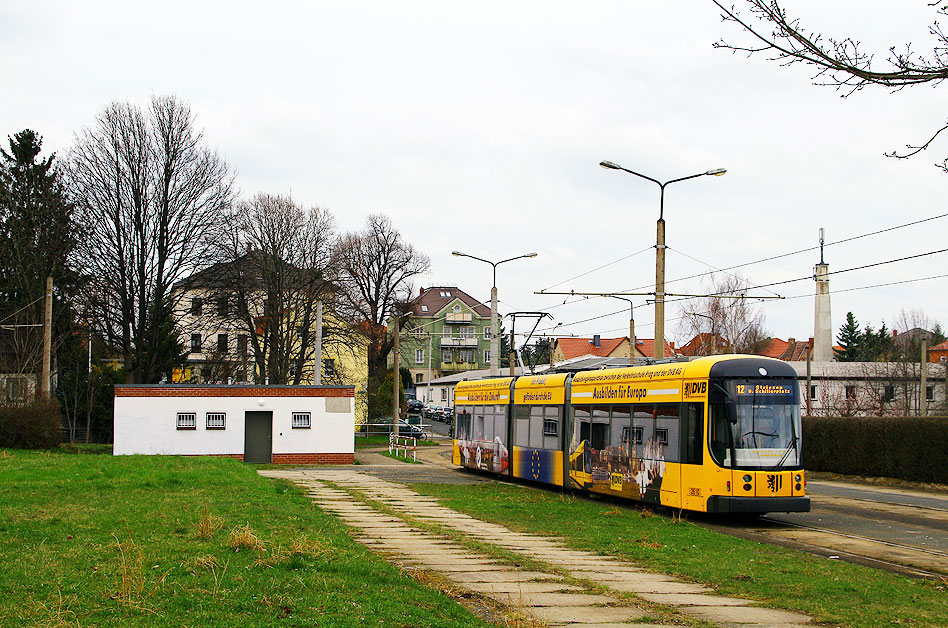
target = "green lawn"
x: 831, y: 591
x: 90, y: 540
x: 376, y: 440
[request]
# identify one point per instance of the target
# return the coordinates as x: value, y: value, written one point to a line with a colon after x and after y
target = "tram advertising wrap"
x: 481, y: 425
x: 715, y: 434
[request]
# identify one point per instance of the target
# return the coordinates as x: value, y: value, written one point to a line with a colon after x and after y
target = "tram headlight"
x: 797, y: 477
x: 748, y: 487
x: 799, y: 487
x: 748, y: 478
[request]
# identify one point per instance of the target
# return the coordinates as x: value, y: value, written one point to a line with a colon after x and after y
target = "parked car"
x: 430, y: 412
x: 414, y: 407
x: 412, y: 431
x: 445, y: 415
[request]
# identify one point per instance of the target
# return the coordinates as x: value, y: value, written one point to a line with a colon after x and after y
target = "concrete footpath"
x: 564, y: 587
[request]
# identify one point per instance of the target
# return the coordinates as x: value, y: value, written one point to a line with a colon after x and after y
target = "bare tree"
x: 376, y: 271
x: 733, y: 319
x: 842, y: 63
x: 151, y: 198
x: 278, y: 269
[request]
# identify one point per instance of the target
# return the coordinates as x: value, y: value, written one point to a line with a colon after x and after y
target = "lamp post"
x: 494, y: 331
x: 660, y: 248
x: 714, y: 336
x: 631, y: 327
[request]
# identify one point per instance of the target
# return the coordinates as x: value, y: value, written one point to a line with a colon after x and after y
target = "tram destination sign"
x: 764, y: 390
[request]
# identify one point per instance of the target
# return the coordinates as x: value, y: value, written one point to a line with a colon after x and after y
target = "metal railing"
x: 402, y: 442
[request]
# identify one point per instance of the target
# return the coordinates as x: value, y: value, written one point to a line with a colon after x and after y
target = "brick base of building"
x: 295, y: 458
x: 313, y: 458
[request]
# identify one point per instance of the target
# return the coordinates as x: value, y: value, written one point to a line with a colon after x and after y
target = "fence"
x: 401, y: 442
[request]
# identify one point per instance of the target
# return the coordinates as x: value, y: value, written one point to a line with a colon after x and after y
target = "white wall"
x: 148, y: 425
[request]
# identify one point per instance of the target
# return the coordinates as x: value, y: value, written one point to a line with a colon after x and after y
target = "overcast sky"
x: 479, y: 127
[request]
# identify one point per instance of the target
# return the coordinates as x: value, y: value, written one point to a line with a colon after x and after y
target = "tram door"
x: 694, y: 484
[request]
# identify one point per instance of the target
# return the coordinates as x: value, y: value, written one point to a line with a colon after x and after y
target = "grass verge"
x: 395, y: 456
x: 161, y: 541
x: 382, y: 441
x: 830, y: 591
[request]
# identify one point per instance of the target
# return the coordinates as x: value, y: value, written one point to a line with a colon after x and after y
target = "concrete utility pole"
x: 396, y: 359
x: 660, y: 248
x: 513, y: 342
x: 47, y: 340
x: 660, y: 287
x: 923, y: 393
x: 318, y: 350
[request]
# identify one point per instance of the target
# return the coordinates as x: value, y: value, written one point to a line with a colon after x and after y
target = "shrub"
x: 35, y: 425
x: 910, y: 448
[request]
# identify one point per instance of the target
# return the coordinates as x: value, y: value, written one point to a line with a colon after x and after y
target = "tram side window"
x: 500, y: 422
x: 521, y: 426
x: 536, y: 427
x: 692, y: 451
x: 668, y: 430
x: 599, y: 436
x: 621, y: 426
x: 580, y: 425
x: 478, y: 428
x: 463, y: 425
x: 551, y: 427
x: 643, y: 421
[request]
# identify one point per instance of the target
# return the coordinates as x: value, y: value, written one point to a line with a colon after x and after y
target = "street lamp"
x: 660, y: 248
x: 714, y: 336
x: 631, y: 327
x: 494, y: 330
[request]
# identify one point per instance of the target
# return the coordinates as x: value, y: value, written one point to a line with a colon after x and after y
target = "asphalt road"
x: 900, y: 530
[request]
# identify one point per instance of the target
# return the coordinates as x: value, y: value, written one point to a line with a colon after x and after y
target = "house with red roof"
x: 939, y: 353
x: 571, y: 348
x: 448, y: 332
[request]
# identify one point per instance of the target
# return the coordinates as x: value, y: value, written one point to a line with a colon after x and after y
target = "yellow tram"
x: 716, y: 434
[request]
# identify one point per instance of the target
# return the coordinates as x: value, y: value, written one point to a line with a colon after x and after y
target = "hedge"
x: 910, y: 448
x: 32, y: 426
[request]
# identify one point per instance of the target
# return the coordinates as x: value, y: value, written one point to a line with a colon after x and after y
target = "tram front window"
x: 756, y: 425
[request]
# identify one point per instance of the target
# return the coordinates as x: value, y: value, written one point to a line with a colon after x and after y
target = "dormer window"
x: 445, y: 294
x: 424, y: 308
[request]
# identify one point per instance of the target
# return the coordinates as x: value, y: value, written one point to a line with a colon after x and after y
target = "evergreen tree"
x: 849, y: 339
x: 38, y: 232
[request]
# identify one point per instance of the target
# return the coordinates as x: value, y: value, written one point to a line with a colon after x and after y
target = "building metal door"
x: 258, y: 437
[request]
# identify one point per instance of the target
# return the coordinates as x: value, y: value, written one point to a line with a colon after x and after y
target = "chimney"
x: 421, y: 292
x: 597, y: 342
x: 792, y: 341
x: 895, y: 332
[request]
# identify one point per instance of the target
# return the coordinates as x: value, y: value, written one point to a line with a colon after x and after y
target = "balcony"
x: 458, y: 318
x: 458, y: 341
x: 454, y: 367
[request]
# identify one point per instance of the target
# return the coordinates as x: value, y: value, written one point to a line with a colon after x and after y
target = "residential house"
x: 448, y: 332
x: 571, y: 348
x: 939, y: 353
x: 220, y: 342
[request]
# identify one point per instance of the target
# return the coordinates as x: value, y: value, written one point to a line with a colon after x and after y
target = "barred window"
x: 187, y: 421
x: 550, y: 427
x: 216, y: 420
x: 301, y: 420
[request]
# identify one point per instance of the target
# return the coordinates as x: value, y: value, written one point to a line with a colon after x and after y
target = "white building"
x: 260, y: 424
x: 871, y: 388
